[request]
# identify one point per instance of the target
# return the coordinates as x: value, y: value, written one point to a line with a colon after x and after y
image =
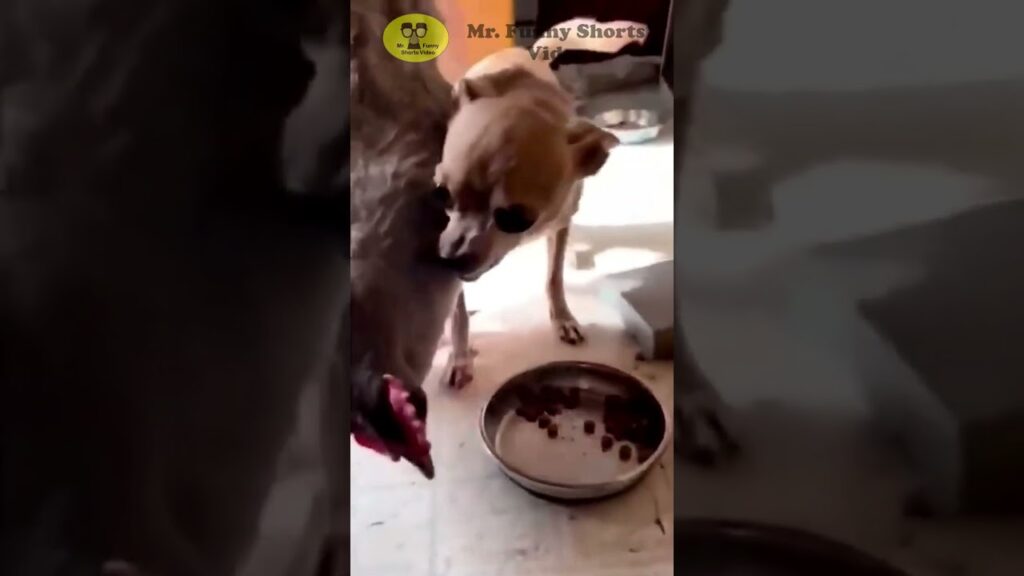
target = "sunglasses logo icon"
x: 413, y: 33
x: 415, y: 37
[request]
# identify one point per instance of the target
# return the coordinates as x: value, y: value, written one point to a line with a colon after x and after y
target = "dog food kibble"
x: 589, y: 426
x: 544, y: 421
x: 551, y: 396
x: 572, y: 399
x: 626, y: 419
x: 625, y: 452
x: 553, y: 430
x: 525, y: 395
x: 616, y: 424
x: 527, y: 413
x: 606, y: 443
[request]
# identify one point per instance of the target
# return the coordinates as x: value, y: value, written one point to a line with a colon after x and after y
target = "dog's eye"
x: 514, y: 219
x: 443, y: 195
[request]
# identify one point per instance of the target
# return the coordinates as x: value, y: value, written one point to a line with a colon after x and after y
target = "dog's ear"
x: 492, y: 85
x: 468, y: 89
x: 590, y: 147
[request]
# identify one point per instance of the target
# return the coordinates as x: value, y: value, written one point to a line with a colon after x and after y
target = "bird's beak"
x: 424, y: 463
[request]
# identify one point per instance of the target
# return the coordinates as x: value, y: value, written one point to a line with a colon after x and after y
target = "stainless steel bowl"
x: 572, y: 466
x: 630, y: 126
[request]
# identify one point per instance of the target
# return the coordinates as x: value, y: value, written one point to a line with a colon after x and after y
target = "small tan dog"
x: 513, y: 163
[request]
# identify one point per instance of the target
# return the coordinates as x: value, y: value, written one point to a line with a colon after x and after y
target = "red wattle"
x: 371, y: 443
x: 413, y: 427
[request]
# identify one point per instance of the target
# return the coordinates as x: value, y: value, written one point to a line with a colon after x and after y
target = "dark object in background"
x: 587, y: 74
x: 653, y: 13
x: 589, y: 427
x: 588, y: 81
x: 717, y: 548
x: 667, y: 58
x: 553, y: 430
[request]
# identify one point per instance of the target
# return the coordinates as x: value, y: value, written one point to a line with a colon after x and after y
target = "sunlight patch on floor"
x: 617, y: 260
x: 635, y: 188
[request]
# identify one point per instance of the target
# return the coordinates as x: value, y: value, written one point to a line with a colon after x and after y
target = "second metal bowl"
x: 630, y: 126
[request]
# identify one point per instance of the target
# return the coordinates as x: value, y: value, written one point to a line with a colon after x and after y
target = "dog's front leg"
x: 460, y: 365
x: 562, y: 320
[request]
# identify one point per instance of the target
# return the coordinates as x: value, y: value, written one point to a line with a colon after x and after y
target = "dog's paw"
x: 459, y: 372
x: 568, y: 330
x: 703, y: 436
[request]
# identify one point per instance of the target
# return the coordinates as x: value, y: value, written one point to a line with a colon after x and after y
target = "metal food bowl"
x: 630, y: 126
x: 727, y: 548
x: 573, y: 465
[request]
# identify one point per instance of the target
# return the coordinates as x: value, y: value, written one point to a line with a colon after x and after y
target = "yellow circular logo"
x: 415, y: 38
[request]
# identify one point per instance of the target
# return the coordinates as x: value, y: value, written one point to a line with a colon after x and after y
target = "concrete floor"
x: 471, y: 520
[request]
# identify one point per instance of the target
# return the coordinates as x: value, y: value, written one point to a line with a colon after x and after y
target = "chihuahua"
x: 513, y: 163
